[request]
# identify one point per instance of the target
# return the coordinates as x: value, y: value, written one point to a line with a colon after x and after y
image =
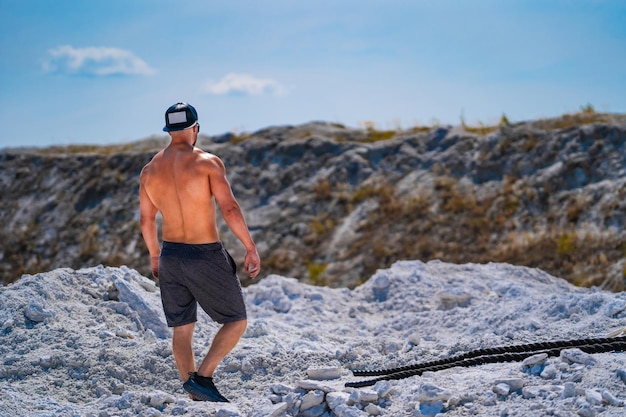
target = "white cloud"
x: 100, y: 61
x: 244, y: 84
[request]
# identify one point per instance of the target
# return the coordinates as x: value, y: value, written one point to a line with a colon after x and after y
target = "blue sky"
x: 100, y: 72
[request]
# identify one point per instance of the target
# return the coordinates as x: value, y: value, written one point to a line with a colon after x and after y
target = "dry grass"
x: 586, y: 115
x: 455, y: 226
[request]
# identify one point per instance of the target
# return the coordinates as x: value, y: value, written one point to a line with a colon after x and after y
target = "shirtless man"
x: 183, y: 183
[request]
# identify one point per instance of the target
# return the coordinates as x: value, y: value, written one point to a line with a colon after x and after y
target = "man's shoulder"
x: 147, y: 168
x: 205, y: 157
x: 204, y: 154
x: 150, y: 163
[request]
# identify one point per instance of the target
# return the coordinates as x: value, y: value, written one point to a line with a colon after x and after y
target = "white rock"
x: 577, y: 356
x: 36, y: 312
x: 569, y: 390
x: 257, y: 328
x: 278, y: 410
x: 354, y: 397
x: 45, y: 361
x: 158, y: 398
x: 414, y: 339
x: 311, y: 399
x: 534, y: 359
x: 7, y: 324
x: 611, y: 399
x: 105, y: 334
x: 373, y: 410
x: 120, y: 332
x: 541, y: 391
x: 367, y: 396
x: 381, y: 281
x: 449, y: 300
x: 149, y: 311
x: 281, y: 389
x: 530, y: 392
x: 335, y: 399
x: 548, y: 372
x: 615, y: 307
x: 324, y: 373
x: 343, y: 410
x: 316, y: 411
x: 432, y: 393
x: 501, y: 389
x: 515, y: 384
x: 228, y: 410
x: 594, y: 397
x: 383, y: 388
x: 310, y: 385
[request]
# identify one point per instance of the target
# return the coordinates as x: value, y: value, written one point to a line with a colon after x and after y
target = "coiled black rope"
x: 491, y: 355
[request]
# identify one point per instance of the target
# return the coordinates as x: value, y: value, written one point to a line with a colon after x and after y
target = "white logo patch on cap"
x: 177, y: 117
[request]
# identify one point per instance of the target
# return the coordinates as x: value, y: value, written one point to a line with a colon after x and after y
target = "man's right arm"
x: 147, y: 220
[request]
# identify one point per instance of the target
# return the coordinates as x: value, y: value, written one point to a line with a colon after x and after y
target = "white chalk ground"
x: 93, y: 342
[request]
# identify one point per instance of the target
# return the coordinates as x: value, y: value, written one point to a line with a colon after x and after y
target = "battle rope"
x: 491, y: 355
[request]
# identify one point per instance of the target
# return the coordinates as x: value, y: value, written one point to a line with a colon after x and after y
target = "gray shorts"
x: 202, y: 274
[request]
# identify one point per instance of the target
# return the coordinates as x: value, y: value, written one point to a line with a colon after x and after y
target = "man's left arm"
x: 232, y: 214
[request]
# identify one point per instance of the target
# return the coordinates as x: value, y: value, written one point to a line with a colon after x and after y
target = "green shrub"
x: 316, y: 272
x: 566, y: 243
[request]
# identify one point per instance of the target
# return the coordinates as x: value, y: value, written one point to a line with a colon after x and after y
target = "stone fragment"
x: 577, y: 356
x: 536, y: 369
x: 576, y: 377
x: 276, y: 410
x: 280, y: 389
x: 541, y: 391
x: 593, y: 397
x: 311, y: 399
x: 310, y: 385
x: 367, y: 396
x: 131, y: 291
x: 548, y: 372
x: 449, y: 300
x: 322, y: 374
x: 501, y: 389
x: 293, y: 399
x: 615, y: 307
x: 45, y: 361
x: 430, y: 408
x: 432, y: 393
x: 515, y: 384
x: 373, y: 410
x: 354, y: 397
x: 534, y: 360
x: 335, y: 399
x: 344, y: 410
x: 123, y: 333
x: 383, y: 388
x: 316, y: 411
x: 569, y: 390
x: 36, y: 312
x: 530, y: 392
x: 158, y: 398
x: 610, y: 399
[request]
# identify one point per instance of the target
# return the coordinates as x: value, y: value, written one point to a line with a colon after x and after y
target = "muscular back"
x: 178, y: 183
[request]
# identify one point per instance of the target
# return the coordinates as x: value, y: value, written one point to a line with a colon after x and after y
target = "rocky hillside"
x: 330, y: 205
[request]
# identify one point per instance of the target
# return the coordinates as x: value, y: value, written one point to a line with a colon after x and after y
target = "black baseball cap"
x: 180, y: 116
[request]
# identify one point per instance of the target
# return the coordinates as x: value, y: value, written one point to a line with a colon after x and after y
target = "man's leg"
x: 182, y: 349
x: 223, y: 342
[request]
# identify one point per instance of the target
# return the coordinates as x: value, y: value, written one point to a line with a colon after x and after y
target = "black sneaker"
x: 205, y: 391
